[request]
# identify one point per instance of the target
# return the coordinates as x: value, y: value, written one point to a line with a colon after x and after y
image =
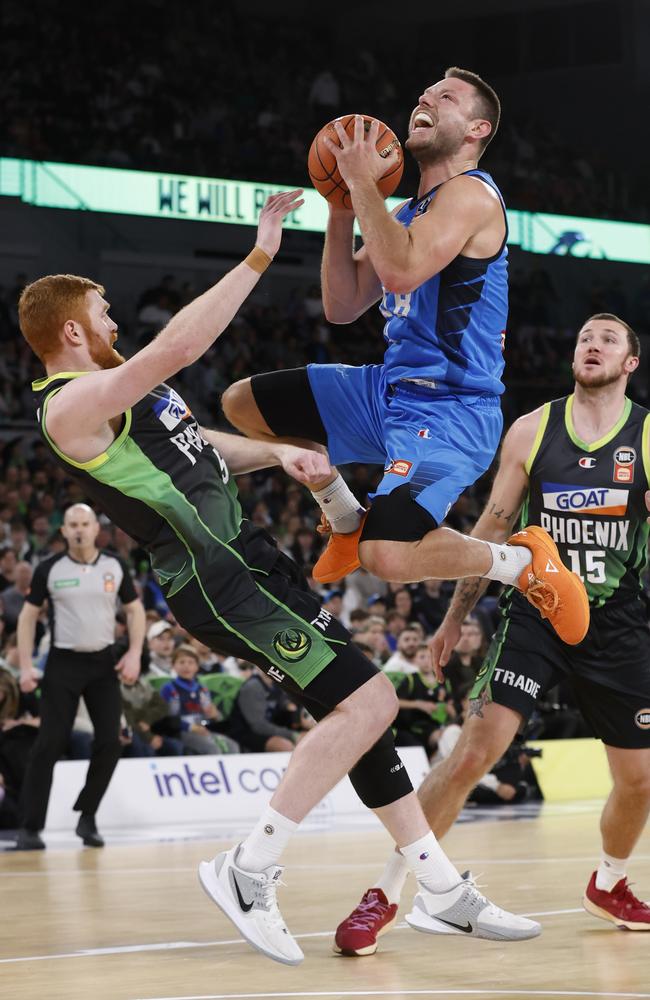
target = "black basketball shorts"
x: 609, y: 671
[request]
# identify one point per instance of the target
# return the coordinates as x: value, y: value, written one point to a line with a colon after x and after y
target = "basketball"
x: 324, y: 172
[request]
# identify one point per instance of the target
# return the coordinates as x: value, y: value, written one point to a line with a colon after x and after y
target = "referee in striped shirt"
x: 82, y: 587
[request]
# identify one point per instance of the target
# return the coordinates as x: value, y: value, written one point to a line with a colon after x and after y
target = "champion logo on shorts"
x: 642, y: 718
x: 424, y: 433
x: 400, y: 467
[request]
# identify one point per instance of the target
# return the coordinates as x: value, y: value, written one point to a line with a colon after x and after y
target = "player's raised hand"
x: 358, y: 156
x: 269, y: 227
x: 304, y: 465
x: 442, y: 645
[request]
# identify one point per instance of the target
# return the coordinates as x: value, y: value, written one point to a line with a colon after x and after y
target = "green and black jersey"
x: 171, y: 491
x: 590, y: 498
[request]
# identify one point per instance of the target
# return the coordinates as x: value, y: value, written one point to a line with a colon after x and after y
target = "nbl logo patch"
x: 292, y: 644
x: 642, y: 718
x: 624, y: 459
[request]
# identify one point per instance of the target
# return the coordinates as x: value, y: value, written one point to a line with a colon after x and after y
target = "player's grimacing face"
x: 439, y: 123
x: 101, y: 332
x: 602, y: 354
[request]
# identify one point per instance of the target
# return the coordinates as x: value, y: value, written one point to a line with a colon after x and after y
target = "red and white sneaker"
x: 620, y: 905
x: 358, y: 933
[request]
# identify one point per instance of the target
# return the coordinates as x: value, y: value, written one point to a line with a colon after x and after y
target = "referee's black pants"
x: 68, y: 676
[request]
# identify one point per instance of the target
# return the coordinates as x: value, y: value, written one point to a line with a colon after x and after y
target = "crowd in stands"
x: 205, y: 92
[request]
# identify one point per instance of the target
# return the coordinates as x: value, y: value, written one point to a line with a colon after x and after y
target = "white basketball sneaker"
x: 248, y: 899
x: 464, y: 910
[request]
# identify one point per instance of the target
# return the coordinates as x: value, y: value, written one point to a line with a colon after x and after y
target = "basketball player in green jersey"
x: 579, y: 466
x: 136, y: 449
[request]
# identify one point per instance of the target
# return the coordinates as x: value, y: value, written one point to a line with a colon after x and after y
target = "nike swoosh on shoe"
x: 242, y: 902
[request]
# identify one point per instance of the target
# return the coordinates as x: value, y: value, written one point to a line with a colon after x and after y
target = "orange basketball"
x: 324, y: 172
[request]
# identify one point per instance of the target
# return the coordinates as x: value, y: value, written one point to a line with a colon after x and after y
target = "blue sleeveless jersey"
x: 450, y: 330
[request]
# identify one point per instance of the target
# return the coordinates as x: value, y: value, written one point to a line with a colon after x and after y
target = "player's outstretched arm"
x: 87, y: 403
x: 494, y: 525
x: 246, y: 455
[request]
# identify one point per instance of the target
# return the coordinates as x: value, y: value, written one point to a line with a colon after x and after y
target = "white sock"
x: 266, y: 841
x: 430, y: 865
x: 508, y: 562
x: 339, y: 505
x: 610, y: 871
x: 393, y: 877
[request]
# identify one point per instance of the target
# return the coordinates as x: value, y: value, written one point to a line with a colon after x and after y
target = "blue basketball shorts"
x: 438, y: 443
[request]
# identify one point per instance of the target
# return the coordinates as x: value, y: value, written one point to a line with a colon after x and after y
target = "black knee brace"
x: 380, y: 777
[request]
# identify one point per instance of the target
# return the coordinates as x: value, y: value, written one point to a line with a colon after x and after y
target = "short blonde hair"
x: 46, y: 304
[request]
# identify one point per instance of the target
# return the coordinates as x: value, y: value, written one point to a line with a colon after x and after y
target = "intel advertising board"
x: 179, y: 791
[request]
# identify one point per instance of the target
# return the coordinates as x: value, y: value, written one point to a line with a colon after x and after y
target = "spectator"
x: 263, y: 718
x: 14, y: 596
x: 333, y: 602
x: 8, y: 561
x: 466, y: 659
x: 403, y: 603
x: 190, y: 702
x: 154, y: 730
x: 395, y: 624
x: 160, y: 639
x: 425, y: 705
x: 404, y: 656
x: 430, y: 604
x: 18, y: 729
x: 373, y: 634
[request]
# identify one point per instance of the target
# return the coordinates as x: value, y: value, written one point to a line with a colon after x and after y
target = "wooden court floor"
x: 130, y: 922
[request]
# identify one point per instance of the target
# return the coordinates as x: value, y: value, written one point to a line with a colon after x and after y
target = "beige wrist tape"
x: 258, y: 260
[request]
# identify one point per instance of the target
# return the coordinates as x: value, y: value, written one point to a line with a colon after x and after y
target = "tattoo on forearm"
x: 465, y: 595
x: 476, y: 705
x: 499, y: 514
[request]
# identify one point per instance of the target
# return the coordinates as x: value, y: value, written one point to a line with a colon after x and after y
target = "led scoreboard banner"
x: 208, y: 199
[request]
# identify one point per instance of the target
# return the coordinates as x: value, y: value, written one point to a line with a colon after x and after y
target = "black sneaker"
x: 87, y: 830
x: 29, y: 840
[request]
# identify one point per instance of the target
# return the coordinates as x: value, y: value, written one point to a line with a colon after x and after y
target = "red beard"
x: 103, y: 355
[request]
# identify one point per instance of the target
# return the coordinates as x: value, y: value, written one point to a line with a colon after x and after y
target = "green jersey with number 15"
x: 590, y: 498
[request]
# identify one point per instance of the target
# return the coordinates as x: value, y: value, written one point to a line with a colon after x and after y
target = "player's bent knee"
x: 379, y: 778
x: 636, y: 783
x: 396, y: 517
x: 470, y: 762
x: 238, y: 403
x: 374, y: 704
x: 381, y: 559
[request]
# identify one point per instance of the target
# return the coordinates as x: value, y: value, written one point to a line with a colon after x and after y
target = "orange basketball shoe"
x: 558, y: 594
x: 341, y: 555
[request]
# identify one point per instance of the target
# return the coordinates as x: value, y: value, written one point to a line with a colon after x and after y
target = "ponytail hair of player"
x: 48, y: 303
x: 488, y: 105
x: 633, y: 341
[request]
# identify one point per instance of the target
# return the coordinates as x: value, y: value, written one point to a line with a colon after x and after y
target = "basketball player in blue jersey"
x: 431, y: 412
